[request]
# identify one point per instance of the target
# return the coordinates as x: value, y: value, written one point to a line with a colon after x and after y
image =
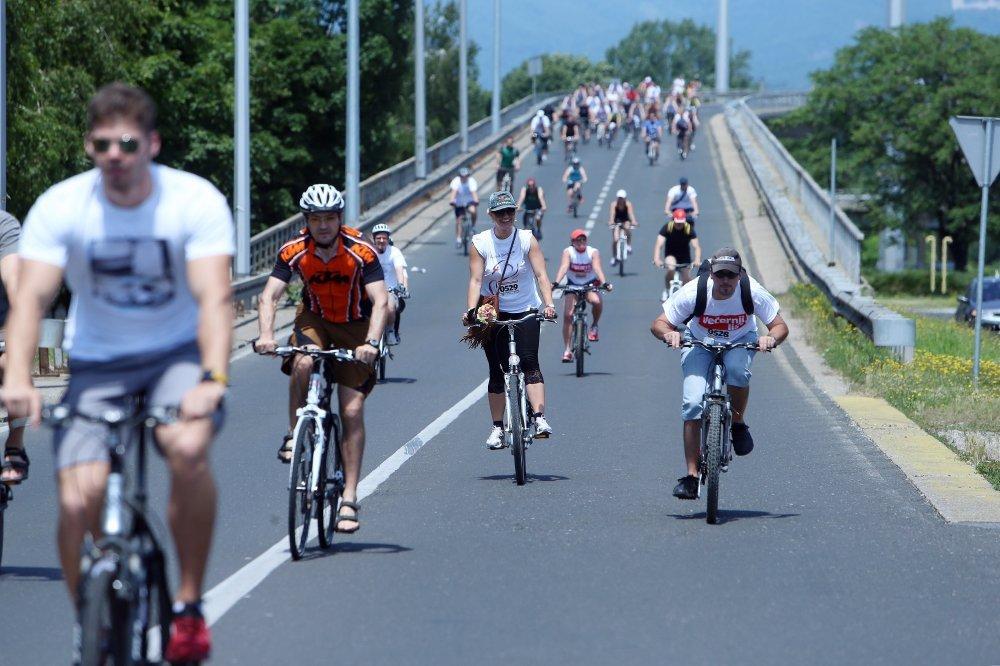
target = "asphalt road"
x: 826, y: 554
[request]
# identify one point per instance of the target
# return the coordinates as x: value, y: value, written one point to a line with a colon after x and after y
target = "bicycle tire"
x: 579, y: 345
x: 517, y: 434
x: 329, y: 499
x: 300, y: 502
x: 713, y: 459
x: 382, y: 362
x: 160, y: 600
x: 3, y: 510
x: 466, y: 236
x: 103, y: 621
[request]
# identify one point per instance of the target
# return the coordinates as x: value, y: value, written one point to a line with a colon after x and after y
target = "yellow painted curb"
x: 955, y: 489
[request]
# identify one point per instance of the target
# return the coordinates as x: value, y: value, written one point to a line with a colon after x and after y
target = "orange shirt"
x: 332, y: 289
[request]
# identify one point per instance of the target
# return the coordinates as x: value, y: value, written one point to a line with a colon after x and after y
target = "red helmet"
x: 680, y: 215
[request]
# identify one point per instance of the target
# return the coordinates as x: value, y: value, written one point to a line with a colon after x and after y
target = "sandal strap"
x: 17, y: 452
x: 350, y: 505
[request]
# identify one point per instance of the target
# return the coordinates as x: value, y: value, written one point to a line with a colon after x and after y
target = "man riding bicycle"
x: 570, y: 135
x: 652, y: 131
x: 574, y: 177
x: 724, y: 316
x: 580, y: 265
x: 675, y: 243
x: 146, y: 251
x: 508, y: 161
x: 464, y: 198
x: 532, y: 198
x: 14, y: 468
x: 682, y: 197
x: 343, y: 305
x: 394, y: 271
x: 621, y: 218
x: 540, y: 133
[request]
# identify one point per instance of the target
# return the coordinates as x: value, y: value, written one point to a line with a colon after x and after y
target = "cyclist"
x: 580, y: 265
x: 394, y: 271
x: 464, y: 197
x: 652, y: 130
x: 15, y: 463
x: 683, y: 197
x: 670, y: 109
x: 683, y: 127
x: 584, y: 112
x: 678, y: 240
x: 652, y: 94
x: 532, y: 197
x: 509, y: 264
x: 540, y: 125
x: 343, y: 305
x: 151, y: 315
x: 570, y: 134
x: 574, y: 177
x: 621, y: 217
x: 724, y: 318
x: 508, y: 161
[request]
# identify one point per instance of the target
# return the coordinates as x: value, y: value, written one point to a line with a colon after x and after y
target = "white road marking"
x: 221, y: 598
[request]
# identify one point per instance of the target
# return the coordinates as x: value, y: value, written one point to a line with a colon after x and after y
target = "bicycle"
x: 541, y: 143
x: 6, y: 495
x: 674, y: 284
x: 467, y: 229
x: 123, y: 574
x: 621, y: 247
x: 683, y: 143
x: 576, y: 198
x: 518, y: 419
x: 653, y: 151
x: 581, y: 344
x: 569, y: 148
x: 384, y: 348
x: 716, y: 444
x: 315, y: 479
x: 610, y: 136
x: 507, y: 181
x: 530, y: 221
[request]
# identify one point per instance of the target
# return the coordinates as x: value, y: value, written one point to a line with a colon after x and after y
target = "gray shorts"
x: 163, y: 377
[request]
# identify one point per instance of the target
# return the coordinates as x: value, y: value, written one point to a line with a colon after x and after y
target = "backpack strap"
x: 745, y: 294
x: 701, y: 296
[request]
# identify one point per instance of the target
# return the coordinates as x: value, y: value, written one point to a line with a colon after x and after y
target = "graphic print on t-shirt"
x: 132, y: 272
x: 721, y: 326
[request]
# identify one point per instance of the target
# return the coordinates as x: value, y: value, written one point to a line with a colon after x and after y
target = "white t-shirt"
x: 465, y: 191
x: 390, y: 259
x: 653, y: 93
x: 677, y: 199
x: 127, y: 267
x: 724, y: 320
x: 540, y: 124
x: 519, y: 292
x: 581, y: 265
x: 678, y: 87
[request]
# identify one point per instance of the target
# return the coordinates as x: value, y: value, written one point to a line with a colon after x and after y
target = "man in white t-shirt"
x: 682, y: 197
x: 146, y: 251
x: 394, y: 268
x: 464, y: 197
x: 726, y: 319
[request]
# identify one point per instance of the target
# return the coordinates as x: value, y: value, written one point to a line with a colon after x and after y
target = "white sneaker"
x: 458, y: 242
x: 495, y: 441
x: 542, y: 428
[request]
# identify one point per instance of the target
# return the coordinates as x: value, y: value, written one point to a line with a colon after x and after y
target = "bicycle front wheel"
x: 300, y: 500
x: 713, y: 458
x: 579, y: 344
x: 516, y: 429
x: 331, y: 485
x: 105, y: 620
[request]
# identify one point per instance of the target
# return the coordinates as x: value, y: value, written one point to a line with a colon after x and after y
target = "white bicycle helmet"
x: 321, y: 198
x: 381, y: 228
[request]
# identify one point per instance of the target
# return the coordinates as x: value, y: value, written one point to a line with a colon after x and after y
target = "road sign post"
x: 534, y: 71
x: 978, y: 140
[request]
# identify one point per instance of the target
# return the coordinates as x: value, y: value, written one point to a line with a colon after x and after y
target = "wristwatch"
x: 373, y: 342
x: 217, y: 377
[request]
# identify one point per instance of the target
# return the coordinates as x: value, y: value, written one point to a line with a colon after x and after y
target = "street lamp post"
x: 353, y: 160
x: 242, y: 129
x: 419, y: 94
x: 463, y: 76
x: 722, y: 49
x: 496, y: 68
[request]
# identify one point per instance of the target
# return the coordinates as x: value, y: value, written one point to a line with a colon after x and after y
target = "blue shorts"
x: 696, y: 363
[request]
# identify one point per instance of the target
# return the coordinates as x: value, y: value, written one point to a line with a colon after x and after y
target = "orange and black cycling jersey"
x: 335, y: 289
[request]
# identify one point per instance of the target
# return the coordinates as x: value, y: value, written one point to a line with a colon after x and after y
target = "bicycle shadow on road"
x: 530, y: 477
x: 732, y: 515
x: 343, y: 547
x: 30, y: 573
x: 588, y: 374
x: 397, y: 380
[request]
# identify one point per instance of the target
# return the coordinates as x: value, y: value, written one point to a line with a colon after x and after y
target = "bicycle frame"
x: 716, y: 392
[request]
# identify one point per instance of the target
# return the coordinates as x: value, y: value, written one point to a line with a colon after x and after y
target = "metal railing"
x: 778, y: 179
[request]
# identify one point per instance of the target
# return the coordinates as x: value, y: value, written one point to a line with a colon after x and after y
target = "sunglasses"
x: 127, y: 144
x: 726, y: 275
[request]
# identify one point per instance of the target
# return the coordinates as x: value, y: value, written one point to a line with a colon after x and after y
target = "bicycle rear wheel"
x: 159, y: 602
x: 579, y: 344
x: 3, y: 510
x: 300, y: 501
x: 466, y: 237
x: 105, y: 620
x: 713, y: 457
x: 331, y: 485
x: 516, y: 430
x: 622, y: 254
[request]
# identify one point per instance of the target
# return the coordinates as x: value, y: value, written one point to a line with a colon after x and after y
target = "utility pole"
x: 419, y: 95
x: 463, y: 75
x: 242, y: 139
x: 496, y: 67
x: 832, y: 259
x: 722, y: 49
x: 353, y: 165
x: 896, y: 17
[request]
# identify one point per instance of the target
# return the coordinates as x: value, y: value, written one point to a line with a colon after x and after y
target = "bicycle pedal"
x: 724, y: 468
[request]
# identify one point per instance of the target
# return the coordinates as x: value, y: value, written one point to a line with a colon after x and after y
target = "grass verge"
x: 935, y: 391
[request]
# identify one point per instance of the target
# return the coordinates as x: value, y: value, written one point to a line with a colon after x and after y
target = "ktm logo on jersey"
x: 327, y: 277
x: 723, y: 322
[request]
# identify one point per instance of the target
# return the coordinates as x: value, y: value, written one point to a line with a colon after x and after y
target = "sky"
x: 787, y: 38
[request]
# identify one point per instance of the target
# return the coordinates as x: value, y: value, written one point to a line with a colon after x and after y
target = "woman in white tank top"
x: 580, y: 264
x: 509, y: 263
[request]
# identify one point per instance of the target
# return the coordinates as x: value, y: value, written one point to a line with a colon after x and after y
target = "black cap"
x: 684, y: 180
x: 726, y: 259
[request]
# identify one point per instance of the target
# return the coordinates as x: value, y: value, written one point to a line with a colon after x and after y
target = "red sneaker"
x: 190, y: 638
x: 592, y: 336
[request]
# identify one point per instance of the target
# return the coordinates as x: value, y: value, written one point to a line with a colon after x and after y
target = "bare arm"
x: 694, y: 202
x: 631, y: 214
x: 379, y: 298
x: 583, y: 172
x: 563, y: 266
x: 696, y: 246
x: 658, y: 249
x: 476, y: 267
x: 663, y: 330
x: 403, y: 277
x: 267, y: 305
x: 541, y: 198
x: 8, y: 274
x: 520, y: 197
x: 777, y: 331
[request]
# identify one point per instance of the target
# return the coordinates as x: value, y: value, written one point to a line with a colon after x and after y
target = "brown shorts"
x: 310, y: 328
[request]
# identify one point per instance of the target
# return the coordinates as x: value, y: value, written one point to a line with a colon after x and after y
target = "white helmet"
x: 381, y: 228
x: 622, y: 194
x: 321, y: 198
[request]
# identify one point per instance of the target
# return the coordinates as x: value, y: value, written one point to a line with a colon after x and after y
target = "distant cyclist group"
x: 146, y: 252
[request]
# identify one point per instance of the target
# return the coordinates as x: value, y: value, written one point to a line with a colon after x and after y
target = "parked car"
x: 966, y: 311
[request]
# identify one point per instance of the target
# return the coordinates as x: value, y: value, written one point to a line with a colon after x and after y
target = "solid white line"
x: 221, y: 598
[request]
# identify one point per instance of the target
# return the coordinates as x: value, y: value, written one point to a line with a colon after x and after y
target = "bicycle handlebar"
x: 582, y: 288
x: 57, y: 416
x: 719, y: 346
x: 512, y: 322
x: 338, y: 354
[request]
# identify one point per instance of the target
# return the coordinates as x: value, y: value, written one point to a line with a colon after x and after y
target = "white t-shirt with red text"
x: 722, y: 319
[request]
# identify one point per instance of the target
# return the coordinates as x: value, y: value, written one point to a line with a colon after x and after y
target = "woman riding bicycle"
x: 532, y: 197
x: 580, y: 265
x: 509, y: 269
x: 574, y: 177
x: 621, y: 217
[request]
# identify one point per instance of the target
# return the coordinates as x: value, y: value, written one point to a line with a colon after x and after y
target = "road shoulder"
x: 952, y: 486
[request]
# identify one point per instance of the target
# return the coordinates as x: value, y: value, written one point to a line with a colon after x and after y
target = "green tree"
x: 559, y: 72
x: 665, y: 49
x: 887, y: 99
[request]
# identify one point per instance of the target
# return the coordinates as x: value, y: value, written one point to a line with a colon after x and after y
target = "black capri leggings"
x: 526, y: 342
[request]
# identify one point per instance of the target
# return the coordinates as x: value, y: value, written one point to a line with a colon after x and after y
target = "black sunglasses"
x: 127, y: 144
x: 726, y: 275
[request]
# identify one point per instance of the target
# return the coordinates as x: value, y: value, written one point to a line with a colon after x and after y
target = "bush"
x: 916, y: 282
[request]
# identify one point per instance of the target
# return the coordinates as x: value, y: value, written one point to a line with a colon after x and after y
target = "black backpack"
x: 701, y: 298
